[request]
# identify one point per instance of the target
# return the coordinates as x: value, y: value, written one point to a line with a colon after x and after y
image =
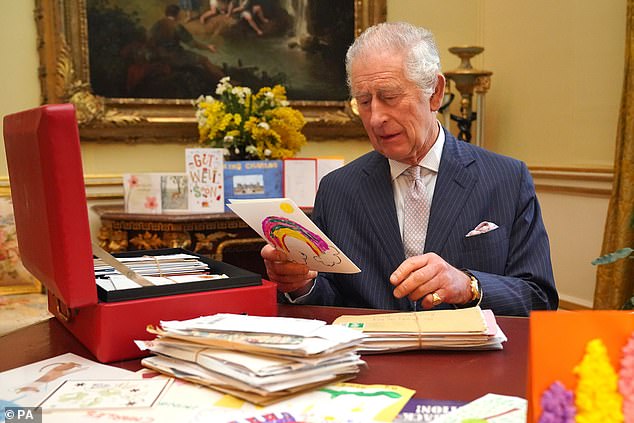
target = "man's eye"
x: 390, y: 97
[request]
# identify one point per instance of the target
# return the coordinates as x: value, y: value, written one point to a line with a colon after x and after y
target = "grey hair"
x: 422, y: 62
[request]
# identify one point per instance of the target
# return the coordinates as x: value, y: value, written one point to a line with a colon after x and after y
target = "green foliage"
x: 629, y: 304
x: 612, y: 257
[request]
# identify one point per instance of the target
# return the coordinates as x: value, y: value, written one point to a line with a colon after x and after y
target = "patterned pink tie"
x: 416, y: 213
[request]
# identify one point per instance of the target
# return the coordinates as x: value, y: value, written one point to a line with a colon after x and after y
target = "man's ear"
x: 436, y: 98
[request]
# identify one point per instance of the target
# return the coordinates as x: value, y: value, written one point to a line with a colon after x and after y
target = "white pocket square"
x: 482, y: 228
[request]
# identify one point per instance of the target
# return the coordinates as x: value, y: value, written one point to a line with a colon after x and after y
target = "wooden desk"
x: 450, y: 375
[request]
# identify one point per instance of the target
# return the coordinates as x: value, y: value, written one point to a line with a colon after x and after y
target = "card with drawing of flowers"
x: 142, y: 193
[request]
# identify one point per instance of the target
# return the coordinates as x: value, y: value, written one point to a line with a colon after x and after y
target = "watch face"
x: 475, y: 288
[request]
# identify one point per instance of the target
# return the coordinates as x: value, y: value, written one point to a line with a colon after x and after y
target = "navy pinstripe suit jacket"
x: 355, y: 208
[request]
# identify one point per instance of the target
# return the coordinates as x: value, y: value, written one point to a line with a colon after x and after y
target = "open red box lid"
x: 49, y: 200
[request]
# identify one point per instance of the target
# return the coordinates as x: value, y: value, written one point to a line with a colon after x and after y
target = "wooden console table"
x: 222, y: 236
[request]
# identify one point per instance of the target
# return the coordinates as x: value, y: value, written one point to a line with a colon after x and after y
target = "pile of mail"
x: 259, y: 359
x: 468, y: 328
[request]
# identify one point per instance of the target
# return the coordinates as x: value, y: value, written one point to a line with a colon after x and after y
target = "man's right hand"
x: 291, y: 277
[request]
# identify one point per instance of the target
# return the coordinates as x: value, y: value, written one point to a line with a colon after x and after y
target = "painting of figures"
x: 180, y: 49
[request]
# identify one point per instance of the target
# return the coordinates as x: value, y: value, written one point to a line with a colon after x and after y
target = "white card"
x: 285, y: 226
x: 204, y: 168
x: 105, y: 394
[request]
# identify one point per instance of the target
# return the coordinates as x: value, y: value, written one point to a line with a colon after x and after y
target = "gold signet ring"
x: 435, y: 299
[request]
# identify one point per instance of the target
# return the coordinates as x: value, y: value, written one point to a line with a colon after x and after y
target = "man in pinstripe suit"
x: 485, y: 242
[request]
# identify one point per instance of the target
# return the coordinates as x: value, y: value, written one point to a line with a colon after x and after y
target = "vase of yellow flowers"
x: 249, y: 126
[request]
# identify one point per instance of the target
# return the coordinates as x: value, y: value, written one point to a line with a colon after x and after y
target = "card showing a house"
x: 142, y: 193
x: 204, y: 168
x: 284, y: 225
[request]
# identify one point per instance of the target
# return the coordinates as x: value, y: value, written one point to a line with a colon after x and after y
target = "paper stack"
x: 468, y: 328
x: 259, y: 359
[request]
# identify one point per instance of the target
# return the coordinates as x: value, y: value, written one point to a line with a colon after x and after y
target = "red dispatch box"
x: 51, y: 216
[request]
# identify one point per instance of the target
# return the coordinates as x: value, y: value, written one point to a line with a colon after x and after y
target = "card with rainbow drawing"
x: 284, y: 225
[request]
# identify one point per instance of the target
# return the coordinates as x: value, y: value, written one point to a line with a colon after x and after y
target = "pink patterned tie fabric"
x: 416, y: 213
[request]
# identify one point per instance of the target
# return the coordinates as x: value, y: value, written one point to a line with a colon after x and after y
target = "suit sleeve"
x: 527, y: 283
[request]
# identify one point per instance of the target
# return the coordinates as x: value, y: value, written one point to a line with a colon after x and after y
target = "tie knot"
x: 413, y: 172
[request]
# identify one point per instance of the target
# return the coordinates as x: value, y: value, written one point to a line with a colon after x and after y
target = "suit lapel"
x: 453, y: 187
x: 378, y: 200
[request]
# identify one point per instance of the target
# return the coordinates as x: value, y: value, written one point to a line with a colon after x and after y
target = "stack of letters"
x: 468, y: 328
x: 168, y: 265
x: 259, y: 359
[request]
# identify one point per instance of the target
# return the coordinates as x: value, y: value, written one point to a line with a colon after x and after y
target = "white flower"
x: 226, y: 152
x: 251, y: 149
x: 241, y: 93
x: 236, y: 150
x: 201, y: 118
x: 267, y: 152
x: 284, y: 103
x: 223, y: 85
x: 264, y: 125
x: 228, y: 139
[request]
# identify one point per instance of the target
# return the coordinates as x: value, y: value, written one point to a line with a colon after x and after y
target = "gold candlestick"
x: 469, y: 80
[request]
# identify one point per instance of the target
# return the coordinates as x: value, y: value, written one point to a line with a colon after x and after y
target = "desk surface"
x: 450, y: 375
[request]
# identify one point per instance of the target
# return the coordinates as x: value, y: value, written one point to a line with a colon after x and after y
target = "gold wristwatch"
x: 476, y: 290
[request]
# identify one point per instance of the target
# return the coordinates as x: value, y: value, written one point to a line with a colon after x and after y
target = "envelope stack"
x: 259, y: 359
x: 469, y: 329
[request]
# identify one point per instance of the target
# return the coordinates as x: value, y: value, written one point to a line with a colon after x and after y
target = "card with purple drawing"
x: 285, y: 226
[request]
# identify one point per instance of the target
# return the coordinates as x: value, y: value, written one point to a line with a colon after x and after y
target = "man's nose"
x: 379, y: 113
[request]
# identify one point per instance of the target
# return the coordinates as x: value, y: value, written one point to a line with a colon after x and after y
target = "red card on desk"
x: 558, y: 341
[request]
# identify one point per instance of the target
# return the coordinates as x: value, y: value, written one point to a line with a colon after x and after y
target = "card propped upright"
x: 284, y: 225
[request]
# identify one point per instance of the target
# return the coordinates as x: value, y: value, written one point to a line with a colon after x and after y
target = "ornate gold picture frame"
x: 65, y: 77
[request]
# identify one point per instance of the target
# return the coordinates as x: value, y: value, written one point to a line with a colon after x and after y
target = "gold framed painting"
x: 14, y: 278
x: 131, y: 82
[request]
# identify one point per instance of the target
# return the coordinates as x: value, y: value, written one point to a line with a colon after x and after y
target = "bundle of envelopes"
x: 259, y: 359
x: 468, y: 328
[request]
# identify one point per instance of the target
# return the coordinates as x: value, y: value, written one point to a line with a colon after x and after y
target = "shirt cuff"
x: 301, y: 299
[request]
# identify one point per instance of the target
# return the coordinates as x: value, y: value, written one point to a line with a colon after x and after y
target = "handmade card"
x: 284, y: 225
x: 28, y: 385
x: 300, y: 180
x: 580, y: 364
x: 325, y: 165
x: 105, y: 394
x: 340, y: 402
x: 489, y: 408
x: 204, y: 168
x: 142, y: 193
x: 174, y: 192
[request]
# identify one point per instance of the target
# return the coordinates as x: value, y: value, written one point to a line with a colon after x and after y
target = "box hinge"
x: 62, y: 311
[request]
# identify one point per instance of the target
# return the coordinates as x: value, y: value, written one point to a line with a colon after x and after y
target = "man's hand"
x: 290, y: 277
x: 431, y: 278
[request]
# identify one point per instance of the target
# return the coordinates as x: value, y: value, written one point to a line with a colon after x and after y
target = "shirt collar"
x: 431, y: 161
